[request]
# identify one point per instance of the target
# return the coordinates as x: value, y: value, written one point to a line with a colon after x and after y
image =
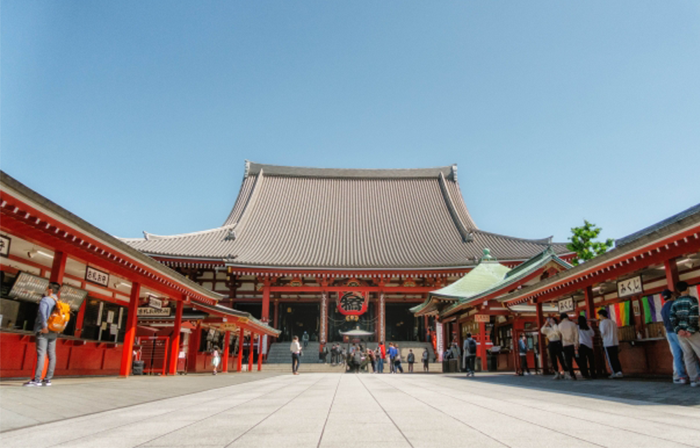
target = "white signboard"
x: 155, y: 302
x: 630, y: 287
x: 144, y: 311
x: 98, y: 277
x: 566, y: 305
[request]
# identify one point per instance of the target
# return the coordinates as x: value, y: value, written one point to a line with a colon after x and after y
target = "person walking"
x: 410, y: 359
x: 569, y: 341
x: 295, y: 348
x: 215, y: 359
x: 551, y: 330
x: 470, y: 352
x: 305, y: 339
x: 397, y: 359
x: 45, y: 339
x: 608, y: 331
x: 684, y: 317
x: 425, y: 357
x: 382, y: 356
x: 586, y: 362
x: 522, y: 351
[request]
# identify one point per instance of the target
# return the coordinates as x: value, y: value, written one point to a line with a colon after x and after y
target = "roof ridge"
x: 544, y: 241
x: 152, y: 236
x: 461, y: 228
x: 253, y: 168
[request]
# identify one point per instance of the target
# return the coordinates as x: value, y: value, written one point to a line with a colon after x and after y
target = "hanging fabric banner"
x: 381, y: 316
x: 324, y: 317
x: 352, y: 303
x: 652, y: 308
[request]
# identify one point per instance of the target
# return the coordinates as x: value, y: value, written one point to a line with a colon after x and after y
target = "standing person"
x: 586, y: 362
x: 569, y: 341
x: 470, y: 350
x: 411, y: 359
x: 522, y: 351
x: 457, y: 354
x: 397, y: 359
x: 382, y: 355
x: 295, y: 348
x: 685, y: 318
x: 680, y: 373
x: 215, y: 358
x: 392, y: 357
x: 378, y: 359
x: 45, y: 339
x: 551, y: 331
x: 425, y: 357
x: 325, y: 354
x: 608, y: 331
x: 372, y: 359
x: 305, y: 339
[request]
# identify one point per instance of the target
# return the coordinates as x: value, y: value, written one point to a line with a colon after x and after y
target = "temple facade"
x: 324, y: 251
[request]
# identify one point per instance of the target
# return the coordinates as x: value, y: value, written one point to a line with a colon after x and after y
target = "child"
x: 411, y: 359
x: 215, y: 358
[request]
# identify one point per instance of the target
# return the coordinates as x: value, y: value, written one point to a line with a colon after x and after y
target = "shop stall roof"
x: 14, y: 191
x: 651, y: 238
x: 242, y: 317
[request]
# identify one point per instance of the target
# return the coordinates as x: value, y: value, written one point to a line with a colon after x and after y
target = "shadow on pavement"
x: 650, y: 391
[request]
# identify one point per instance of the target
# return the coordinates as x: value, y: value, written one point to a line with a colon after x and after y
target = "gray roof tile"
x: 337, y: 218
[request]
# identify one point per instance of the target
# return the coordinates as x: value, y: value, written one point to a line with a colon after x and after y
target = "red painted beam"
x: 128, y: 347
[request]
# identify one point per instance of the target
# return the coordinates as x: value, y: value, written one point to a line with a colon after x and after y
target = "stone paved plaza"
x: 345, y: 410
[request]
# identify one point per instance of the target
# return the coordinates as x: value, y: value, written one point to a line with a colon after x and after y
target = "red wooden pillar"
x: 260, y: 352
x: 265, y: 317
x: 251, y: 352
x: 224, y: 355
x: 193, y: 348
x: 482, y: 337
x: 58, y: 268
x: 239, y: 361
x: 79, y: 319
x: 426, y: 328
x: 130, y: 335
x: 175, y: 338
x: 671, y: 273
x: 540, y: 339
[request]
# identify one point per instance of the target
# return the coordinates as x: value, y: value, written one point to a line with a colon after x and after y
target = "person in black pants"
x: 586, y: 362
x: 551, y: 331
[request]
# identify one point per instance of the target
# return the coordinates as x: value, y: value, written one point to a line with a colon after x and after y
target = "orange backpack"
x: 59, y: 318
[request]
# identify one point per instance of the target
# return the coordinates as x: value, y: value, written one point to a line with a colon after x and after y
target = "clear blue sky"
x: 139, y: 115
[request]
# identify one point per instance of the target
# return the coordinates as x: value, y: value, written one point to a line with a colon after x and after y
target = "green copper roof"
x: 486, y: 274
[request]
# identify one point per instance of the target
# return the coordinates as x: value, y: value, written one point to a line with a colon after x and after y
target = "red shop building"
x: 108, y: 285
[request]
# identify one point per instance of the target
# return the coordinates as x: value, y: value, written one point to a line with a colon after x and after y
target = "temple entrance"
x: 296, y: 318
x: 338, y: 322
x: 402, y: 325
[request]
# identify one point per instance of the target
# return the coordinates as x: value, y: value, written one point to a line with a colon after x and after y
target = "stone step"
x: 327, y: 368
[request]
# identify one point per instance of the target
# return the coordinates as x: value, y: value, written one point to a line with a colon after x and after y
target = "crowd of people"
x: 357, y: 358
x: 570, y: 342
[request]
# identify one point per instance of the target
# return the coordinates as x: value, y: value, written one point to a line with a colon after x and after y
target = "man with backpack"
x: 469, y: 354
x: 45, y: 339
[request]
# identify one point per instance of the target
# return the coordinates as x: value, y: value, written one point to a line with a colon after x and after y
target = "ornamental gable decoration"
x: 352, y: 303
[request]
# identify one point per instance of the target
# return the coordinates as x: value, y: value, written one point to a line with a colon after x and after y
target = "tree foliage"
x: 582, y: 242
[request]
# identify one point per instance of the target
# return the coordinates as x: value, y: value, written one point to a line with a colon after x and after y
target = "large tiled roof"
x: 345, y: 218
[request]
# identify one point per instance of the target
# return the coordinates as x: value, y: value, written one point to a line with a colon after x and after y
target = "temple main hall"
x: 324, y: 251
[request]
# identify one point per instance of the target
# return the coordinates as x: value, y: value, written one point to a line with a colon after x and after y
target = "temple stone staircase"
x: 279, y: 357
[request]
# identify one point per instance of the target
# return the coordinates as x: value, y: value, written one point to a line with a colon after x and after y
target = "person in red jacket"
x: 381, y: 358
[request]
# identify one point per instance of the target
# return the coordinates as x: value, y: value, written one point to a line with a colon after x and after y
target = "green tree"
x: 582, y: 242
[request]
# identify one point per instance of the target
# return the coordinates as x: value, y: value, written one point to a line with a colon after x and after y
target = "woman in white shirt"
x: 586, y: 362
x: 295, y: 348
x: 551, y: 331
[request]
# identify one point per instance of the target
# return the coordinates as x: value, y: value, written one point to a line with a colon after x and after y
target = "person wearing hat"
x: 680, y: 375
